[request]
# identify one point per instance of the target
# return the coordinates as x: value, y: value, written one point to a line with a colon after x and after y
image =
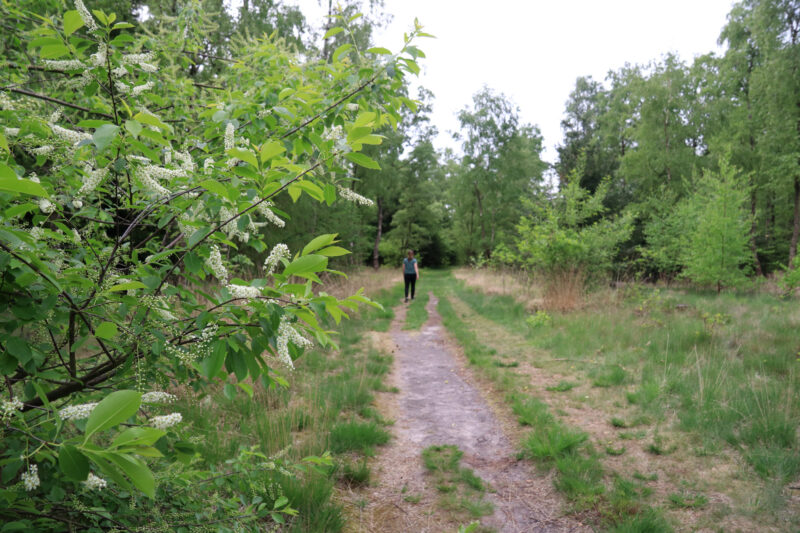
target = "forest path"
x: 438, y: 403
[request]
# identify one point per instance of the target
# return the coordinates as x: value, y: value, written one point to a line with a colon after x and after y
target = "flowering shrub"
x: 124, y: 186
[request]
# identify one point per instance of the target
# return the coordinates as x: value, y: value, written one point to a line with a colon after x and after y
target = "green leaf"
x: 245, y: 155
x: 127, y: 286
x: 271, y: 149
x: 305, y: 264
x: 138, y: 436
x: 212, y: 364
x: 136, y: 470
x: 319, y: 242
x: 133, y: 127
x: 73, y: 463
x: 215, y: 187
x: 362, y: 160
x: 379, y: 50
x: 4, y: 142
x: 20, y: 349
x: 370, y: 139
x: 331, y: 32
x: 294, y: 191
x: 10, y: 182
x: 72, y: 21
x: 333, y: 251
x: 246, y: 387
x: 151, y: 120
x: 106, y: 330
x: 341, y: 50
x: 53, y: 51
x: 114, y: 409
x: 330, y: 194
x: 104, y: 135
x: 312, y: 189
x: 358, y: 132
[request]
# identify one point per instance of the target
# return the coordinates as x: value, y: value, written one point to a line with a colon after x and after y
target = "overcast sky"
x: 532, y: 51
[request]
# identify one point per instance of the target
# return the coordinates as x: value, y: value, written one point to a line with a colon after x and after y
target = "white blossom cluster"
x: 231, y: 228
x: 266, y: 212
x: 119, y: 71
x: 208, y: 166
x: 149, y: 183
x: 9, y: 407
x: 158, y: 397
x: 68, y: 135
x: 187, y: 163
x: 6, y: 103
x: 138, y: 59
x: 351, y: 106
x: 11, y: 132
x: 333, y: 134
x: 243, y: 291
x: 139, y: 89
x: 214, y: 262
x: 91, y: 25
x: 63, y: 64
x: 287, y: 334
x: 91, y: 179
x: 98, y: 59
x: 77, y: 412
x: 79, y: 82
x: 166, y: 421
x: 46, y: 206
x: 36, y: 233
x: 94, y: 482
x: 280, y: 251
x: 229, y: 138
x: 42, y: 150
x: 354, y: 197
x: 157, y: 304
x: 184, y: 356
x: 30, y: 479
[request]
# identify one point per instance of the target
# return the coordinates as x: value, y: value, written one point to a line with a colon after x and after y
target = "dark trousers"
x: 410, y: 279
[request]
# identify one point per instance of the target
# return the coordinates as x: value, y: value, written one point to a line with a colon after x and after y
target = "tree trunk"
x: 480, y: 214
x: 753, y: 228
x: 795, y: 223
x: 375, y: 257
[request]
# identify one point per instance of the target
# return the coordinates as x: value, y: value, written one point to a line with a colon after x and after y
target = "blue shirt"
x: 408, y: 266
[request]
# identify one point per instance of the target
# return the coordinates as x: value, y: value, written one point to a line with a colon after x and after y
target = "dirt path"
x: 439, y: 404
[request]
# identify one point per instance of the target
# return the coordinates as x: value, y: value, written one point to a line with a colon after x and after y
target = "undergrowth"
x: 325, y: 407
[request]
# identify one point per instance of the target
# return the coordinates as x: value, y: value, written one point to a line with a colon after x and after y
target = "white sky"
x: 532, y: 51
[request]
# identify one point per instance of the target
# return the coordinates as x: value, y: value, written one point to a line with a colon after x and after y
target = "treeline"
x: 700, y: 160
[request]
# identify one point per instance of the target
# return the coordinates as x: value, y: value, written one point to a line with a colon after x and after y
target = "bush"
x: 120, y: 210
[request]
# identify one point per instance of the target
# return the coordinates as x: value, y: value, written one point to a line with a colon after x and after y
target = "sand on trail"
x: 438, y: 403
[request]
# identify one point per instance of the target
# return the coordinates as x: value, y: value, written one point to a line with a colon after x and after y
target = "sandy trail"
x: 439, y: 404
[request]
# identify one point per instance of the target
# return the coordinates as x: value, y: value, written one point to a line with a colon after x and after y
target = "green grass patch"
x: 530, y: 411
x: 460, y: 487
x: 562, y: 386
x: 356, y: 436
x: 416, y: 313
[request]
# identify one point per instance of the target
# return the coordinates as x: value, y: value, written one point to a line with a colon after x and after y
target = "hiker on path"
x: 410, y: 273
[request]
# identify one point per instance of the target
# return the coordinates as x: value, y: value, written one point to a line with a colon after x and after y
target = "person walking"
x: 410, y: 272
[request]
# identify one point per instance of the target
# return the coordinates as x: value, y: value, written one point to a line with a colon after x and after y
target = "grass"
x: 356, y: 436
x: 580, y: 475
x: 562, y: 386
x: 416, y: 314
x: 461, y: 489
x: 327, y: 406
x: 718, y: 371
